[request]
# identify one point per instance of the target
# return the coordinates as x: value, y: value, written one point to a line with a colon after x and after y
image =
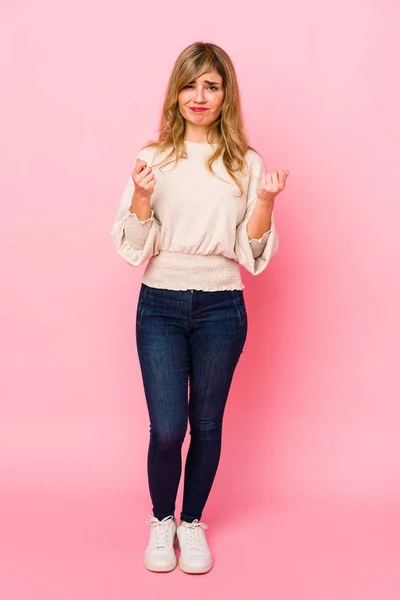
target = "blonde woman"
x: 198, y: 203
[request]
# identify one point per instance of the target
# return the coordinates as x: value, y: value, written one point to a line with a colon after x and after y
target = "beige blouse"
x: 196, y: 236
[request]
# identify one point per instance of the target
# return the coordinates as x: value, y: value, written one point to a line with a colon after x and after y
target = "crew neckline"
x: 199, y: 143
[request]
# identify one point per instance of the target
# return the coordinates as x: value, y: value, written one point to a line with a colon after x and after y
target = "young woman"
x: 197, y: 204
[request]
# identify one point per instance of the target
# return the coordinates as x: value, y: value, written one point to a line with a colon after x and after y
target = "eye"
x: 211, y: 87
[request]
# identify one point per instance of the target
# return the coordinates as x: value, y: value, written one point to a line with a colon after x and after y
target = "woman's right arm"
x: 136, y: 231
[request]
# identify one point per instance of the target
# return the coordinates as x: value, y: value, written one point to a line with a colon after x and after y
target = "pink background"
x: 306, y: 499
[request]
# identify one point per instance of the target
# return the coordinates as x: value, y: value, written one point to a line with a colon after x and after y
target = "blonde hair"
x: 196, y: 59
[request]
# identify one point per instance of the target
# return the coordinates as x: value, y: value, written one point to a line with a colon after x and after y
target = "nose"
x: 199, y: 95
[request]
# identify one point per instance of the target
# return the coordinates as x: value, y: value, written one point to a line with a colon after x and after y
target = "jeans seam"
x: 142, y: 301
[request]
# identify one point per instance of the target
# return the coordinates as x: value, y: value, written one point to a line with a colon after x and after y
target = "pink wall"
x: 316, y: 394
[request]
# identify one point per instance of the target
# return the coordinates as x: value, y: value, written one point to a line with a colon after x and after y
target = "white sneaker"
x: 195, y: 554
x: 160, y: 554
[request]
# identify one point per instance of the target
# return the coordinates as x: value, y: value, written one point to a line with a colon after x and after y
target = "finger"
x: 274, y: 181
x: 148, y: 178
x: 140, y: 164
x: 150, y: 185
x: 282, y: 178
x: 144, y: 173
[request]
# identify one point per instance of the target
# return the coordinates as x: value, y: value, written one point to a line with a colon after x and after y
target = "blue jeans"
x: 188, y: 343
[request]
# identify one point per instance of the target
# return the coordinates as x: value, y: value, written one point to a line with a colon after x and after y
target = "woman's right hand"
x: 144, y: 180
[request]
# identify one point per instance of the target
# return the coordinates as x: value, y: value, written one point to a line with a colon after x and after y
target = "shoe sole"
x: 194, y: 569
x: 160, y: 569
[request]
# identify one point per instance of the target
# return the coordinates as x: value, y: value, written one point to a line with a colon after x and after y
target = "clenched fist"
x: 144, y: 182
x: 143, y: 178
x: 271, y: 184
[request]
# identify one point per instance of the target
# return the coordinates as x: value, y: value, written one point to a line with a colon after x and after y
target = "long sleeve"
x: 255, y: 254
x: 135, y: 240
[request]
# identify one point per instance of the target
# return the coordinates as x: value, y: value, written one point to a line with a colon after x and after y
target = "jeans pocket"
x: 141, y: 306
x: 240, y: 305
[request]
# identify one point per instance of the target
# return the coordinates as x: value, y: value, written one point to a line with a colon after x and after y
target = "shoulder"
x: 253, y: 158
x: 255, y: 162
x: 153, y: 154
x: 147, y: 153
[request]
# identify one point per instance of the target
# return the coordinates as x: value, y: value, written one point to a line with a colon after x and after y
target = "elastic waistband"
x: 178, y: 271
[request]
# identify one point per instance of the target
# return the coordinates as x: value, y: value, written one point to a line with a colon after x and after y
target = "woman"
x: 197, y: 212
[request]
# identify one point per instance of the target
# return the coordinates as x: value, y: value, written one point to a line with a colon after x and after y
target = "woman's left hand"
x: 271, y: 184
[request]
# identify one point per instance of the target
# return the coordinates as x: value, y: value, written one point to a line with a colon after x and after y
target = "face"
x: 200, y: 102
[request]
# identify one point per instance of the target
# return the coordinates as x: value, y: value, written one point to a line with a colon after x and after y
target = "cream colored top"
x: 196, y: 236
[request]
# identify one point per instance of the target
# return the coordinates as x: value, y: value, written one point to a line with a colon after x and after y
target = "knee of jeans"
x: 165, y: 439
x: 205, y: 429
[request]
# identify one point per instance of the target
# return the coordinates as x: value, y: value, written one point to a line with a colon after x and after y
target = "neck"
x: 199, y: 135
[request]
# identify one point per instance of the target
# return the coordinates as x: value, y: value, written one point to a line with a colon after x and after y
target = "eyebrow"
x: 209, y: 82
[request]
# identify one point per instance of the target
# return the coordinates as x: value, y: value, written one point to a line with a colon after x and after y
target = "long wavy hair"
x: 196, y: 59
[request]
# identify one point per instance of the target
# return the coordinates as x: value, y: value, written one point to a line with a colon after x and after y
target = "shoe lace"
x: 194, y: 535
x: 161, y: 529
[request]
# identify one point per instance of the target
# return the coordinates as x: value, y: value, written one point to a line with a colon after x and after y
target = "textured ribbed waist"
x: 177, y: 271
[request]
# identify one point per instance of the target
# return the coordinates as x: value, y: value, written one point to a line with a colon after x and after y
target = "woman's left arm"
x: 256, y: 236
x: 271, y: 184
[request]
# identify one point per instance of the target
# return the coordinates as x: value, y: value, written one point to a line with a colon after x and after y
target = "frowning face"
x: 200, y: 101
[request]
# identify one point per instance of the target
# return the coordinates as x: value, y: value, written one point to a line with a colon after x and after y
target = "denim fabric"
x: 188, y: 343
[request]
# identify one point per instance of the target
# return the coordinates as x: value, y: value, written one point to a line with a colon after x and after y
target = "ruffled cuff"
x: 268, y: 245
x: 136, y: 231
x: 258, y: 245
x: 136, y: 218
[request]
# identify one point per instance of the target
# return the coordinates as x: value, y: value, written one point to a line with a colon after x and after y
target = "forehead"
x: 212, y: 75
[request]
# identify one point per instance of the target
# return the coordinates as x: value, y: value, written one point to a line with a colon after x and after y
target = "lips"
x: 195, y: 109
